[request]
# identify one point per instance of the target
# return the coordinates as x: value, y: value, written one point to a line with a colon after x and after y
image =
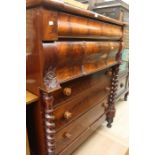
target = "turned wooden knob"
x: 109, y: 73
x: 67, y: 91
x: 105, y: 104
x: 107, y: 89
x: 67, y: 115
x: 67, y: 135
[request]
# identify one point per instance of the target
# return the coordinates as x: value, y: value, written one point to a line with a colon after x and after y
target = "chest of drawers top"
x: 65, y: 42
x: 62, y: 6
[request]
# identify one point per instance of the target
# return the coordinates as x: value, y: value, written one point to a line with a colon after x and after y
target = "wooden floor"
x: 113, y: 141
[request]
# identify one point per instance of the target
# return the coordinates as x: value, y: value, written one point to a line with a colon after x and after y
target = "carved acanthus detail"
x: 50, y: 80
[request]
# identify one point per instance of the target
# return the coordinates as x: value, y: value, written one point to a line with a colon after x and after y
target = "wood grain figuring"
x: 72, y: 59
x: 61, y: 6
x: 77, y: 108
x: 75, y: 26
x: 61, y: 25
x: 33, y: 48
x: 50, y: 28
x: 79, y: 126
x: 118, y: 10
x: 65, y: 60
x: 30, y: 33
x: 82, y: 86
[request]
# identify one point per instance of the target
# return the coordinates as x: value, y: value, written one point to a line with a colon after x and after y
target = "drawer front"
x: 71, y: 26
x: 77, y: 58
x: 75, y: 26
x: 70, y: 148
x: 68, y: 112
x: 122, y: 85
x: 72, y: 131
x: 84, y: 85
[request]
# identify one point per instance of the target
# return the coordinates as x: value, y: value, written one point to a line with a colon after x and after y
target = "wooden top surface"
x: 62, y: 6
x: 30, y: 98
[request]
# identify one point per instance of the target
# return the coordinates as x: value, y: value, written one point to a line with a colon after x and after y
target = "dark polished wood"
x: 80, y: 125
x: 61, y: 6
x: 118, y: 10
x: 82, y: 137
x: 82, y: 87
x: 72, y: 59
x: 70, y: 111
x: 48, y: 64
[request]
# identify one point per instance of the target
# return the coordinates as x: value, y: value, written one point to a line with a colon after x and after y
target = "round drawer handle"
x: 105, y: 104
x: 67, y: 91
x: 107, y: 89
x: 121, y: 85
x: 109, y: 73
x: 67, y: 115
x: 67, y: 135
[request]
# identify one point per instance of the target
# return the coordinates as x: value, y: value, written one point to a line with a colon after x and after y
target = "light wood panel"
x: 30, y: 97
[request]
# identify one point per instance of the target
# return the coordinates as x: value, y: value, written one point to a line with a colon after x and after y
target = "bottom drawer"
x: 65, y: 136
x: 78, y: 141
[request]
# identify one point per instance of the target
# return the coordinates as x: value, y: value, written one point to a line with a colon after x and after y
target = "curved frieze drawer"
x: 69, y: 60
x: 62, y: 25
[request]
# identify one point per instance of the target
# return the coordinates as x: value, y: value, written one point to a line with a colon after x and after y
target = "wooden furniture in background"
x: 73, y: 58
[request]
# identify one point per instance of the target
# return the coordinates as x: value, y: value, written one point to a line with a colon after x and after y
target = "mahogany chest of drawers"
x: 73, y: 59
x: 119, y: 10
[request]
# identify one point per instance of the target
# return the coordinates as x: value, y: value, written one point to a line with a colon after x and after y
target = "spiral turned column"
x: 49, y: 124
x: 111, y: 109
